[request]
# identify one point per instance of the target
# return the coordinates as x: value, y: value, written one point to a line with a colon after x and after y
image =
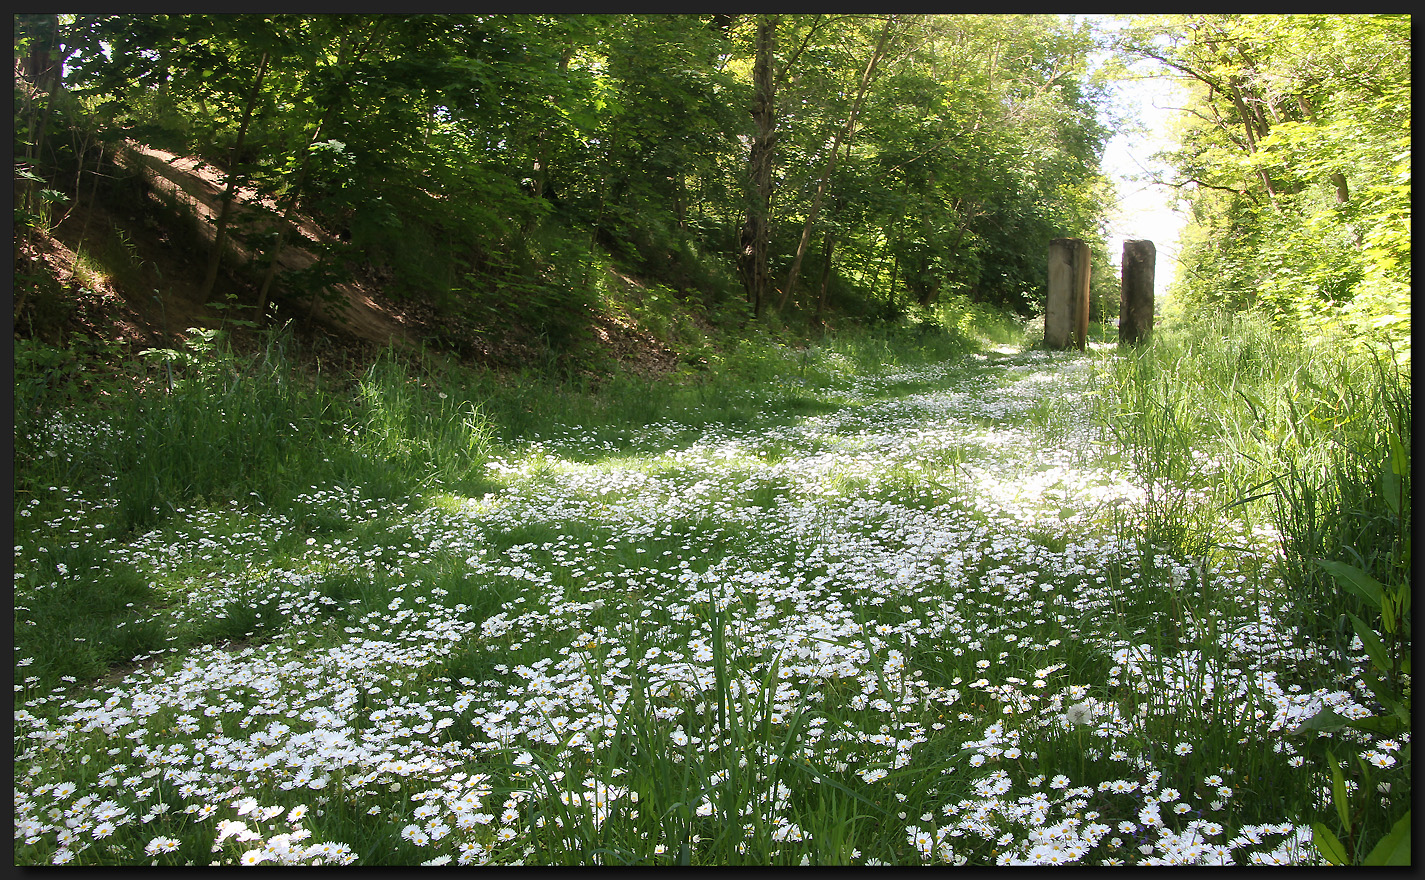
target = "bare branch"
x: 1193, y: 180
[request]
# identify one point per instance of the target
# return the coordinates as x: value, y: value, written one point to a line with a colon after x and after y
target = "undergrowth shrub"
x: 1352, y: 507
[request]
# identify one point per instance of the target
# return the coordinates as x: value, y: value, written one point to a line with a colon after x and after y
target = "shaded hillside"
x: 127, y: 266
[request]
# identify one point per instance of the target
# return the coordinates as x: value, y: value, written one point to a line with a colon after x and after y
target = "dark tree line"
x: 495, y: 162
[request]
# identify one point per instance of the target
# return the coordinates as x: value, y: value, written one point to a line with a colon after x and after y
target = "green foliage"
x: 425, y: 436
x: 212, y: 425
x: 1353, y: 508
x: 489, y: 165
x: 218, y: 428
x: 1295, y: 157
x: 86, y: 608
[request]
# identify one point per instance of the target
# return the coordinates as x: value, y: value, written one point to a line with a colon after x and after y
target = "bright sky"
x: 1145, y: 210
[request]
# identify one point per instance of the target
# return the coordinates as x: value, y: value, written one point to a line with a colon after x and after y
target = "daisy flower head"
x: 160, y: 845
x: 1380, y: 759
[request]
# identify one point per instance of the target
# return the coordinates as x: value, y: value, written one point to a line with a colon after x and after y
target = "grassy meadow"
x: 895, y: 598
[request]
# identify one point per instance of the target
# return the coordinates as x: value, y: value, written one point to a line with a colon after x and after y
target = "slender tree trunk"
x: 220, y: 234
x: 1254, y: 125
x: 44, y: 66
x: 752, y: 251
x: 843, y: 135
x: 43, y: 71
x: 830, y: 243
x: 541, y: 164
x: 1343, y: 192
x: 890, y: 235
x: 290, y: 202
x: 891, y: 288
x: 878, y: 260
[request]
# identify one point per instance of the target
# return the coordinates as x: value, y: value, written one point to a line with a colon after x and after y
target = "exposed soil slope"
x: 153, y: 247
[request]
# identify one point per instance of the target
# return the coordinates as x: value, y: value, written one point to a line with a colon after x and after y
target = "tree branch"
x: 1187, y: 180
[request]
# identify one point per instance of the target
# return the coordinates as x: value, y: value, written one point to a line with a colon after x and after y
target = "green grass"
x: 1233, y: 416
x: 862, y: 601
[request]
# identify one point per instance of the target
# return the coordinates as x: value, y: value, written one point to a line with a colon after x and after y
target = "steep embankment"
x: 127, y: 262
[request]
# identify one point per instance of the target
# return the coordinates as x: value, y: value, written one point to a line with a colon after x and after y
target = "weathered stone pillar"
x: 1083, y: 265
x: 1135, y: 308
x: 1066, y: 314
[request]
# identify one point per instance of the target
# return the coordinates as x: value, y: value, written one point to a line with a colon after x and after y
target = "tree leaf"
x: 1374, y: 648
x: 1326, y: 721
x: 1399, y: 459
x: 1384, y: 725
x: 1355, y: 580
x: 1338, y: 792
x: 1390, y: 484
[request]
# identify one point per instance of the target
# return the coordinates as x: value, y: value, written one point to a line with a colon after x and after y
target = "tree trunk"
x: 42, y: 70
x: 1255, y: 127
x: 220, y: 234
x: 541, y: 150
x: 44, y: 66
x: 1343, y: 193
x: 290, y: 201
x: 843, y: 135
x: 825, y: 276
x: 891, y: 289
x: 752, y: 250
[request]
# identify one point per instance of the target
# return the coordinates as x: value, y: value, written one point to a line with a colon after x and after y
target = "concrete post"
x: 1058, y: 321
x: 1082, y: 272
x: 1135, y: 308
x: 1066, y: 314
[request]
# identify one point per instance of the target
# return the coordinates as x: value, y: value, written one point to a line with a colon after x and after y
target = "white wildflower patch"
x: 917, y: 592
